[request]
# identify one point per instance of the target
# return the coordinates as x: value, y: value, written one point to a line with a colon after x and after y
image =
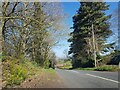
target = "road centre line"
x: 103, y: 78
x: 73, y: 71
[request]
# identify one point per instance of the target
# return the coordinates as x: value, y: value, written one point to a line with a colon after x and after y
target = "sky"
x: 70, y: 9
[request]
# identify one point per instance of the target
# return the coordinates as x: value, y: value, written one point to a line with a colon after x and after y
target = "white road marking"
x: 103, y: 78
x: 73, y: 71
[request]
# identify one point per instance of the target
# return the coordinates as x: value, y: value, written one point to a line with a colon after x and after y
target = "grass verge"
x: 47, y: 78
x: 107, y: 68
x: 90, y: 69
x: 102, y: 68
x: 65, y: 67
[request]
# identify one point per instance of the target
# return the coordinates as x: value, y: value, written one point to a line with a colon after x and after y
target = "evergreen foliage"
x: 89, y: 13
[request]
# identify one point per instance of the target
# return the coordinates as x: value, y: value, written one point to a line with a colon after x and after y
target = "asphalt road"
x: 88, y: 79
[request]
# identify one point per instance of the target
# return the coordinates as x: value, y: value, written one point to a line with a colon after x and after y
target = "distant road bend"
x: 88, y: 79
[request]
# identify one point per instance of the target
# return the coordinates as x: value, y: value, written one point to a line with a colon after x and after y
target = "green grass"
x: 65, y: 67
x: 90, y: 69
x: 101, y: 68
x: 51, y: 71
x: 107, y: 68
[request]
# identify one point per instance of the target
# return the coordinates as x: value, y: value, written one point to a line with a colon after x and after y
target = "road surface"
x: 88, y: 79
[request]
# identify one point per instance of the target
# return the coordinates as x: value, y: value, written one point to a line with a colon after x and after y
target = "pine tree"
x: 89, y: 13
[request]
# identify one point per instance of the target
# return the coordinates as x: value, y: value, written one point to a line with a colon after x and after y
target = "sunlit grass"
x: 52, y: 71
x: 102, y: 68
x: 90, y: 69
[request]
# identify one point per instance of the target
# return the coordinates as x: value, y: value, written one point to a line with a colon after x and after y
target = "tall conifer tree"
x: 89, y: 13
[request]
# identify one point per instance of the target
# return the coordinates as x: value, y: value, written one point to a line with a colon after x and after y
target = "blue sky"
x: 70, y: 9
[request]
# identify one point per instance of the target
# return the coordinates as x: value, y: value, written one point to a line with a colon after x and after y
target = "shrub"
x: 18, y: 74
x: 16, y: 70
x: 46, y: 64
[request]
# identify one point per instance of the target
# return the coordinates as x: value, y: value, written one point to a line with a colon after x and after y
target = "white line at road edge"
x: 103, y: 78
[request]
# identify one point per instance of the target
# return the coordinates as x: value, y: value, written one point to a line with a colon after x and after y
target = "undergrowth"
x: 15, y: 71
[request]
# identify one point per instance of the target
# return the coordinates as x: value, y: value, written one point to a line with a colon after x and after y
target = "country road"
x: 88, y: 79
